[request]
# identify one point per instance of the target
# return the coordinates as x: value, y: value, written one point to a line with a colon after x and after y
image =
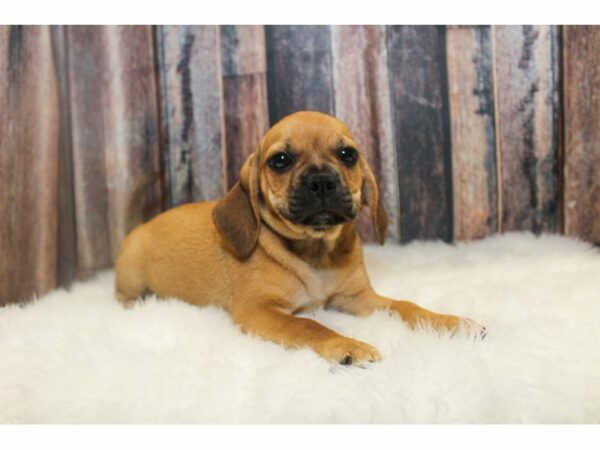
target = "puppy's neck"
x: 325, y: 252
x: 327, y: 248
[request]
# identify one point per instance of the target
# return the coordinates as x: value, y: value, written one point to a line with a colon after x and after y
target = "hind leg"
x: 129, y: 286
x: 129, y: 278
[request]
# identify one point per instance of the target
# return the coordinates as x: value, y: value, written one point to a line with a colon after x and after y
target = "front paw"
x: 346, y: 351
x: 454, y: 324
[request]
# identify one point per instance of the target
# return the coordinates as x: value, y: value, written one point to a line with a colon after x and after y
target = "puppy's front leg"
x: 369, y: 301
x: 272, y: 321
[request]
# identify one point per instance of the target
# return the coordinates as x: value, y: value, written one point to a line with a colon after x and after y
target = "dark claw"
x: 483, y: 333
x: 346, y: 361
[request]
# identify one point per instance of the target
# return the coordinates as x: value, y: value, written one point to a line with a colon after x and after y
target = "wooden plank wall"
x: 473, y: 134
x: 526, y: 70
x: 244, y: 65
x: 29, y: 130
x: 470, y: 130
x: 419, y: 95
x: 362, y: 101
x: 581, y: 64
x: 189, y: 66
x: 115, y: 133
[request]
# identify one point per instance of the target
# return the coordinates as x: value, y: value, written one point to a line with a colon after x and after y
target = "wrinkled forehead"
x: 307, y: 133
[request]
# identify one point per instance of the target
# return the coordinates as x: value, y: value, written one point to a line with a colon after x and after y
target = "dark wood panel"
x: 471, y: 90
x: 418, y: 83
x: 115, y: 134
x: 362, y: 101
x: 526, y: 69
x: 298, y: 69
x: 28, y: 162
x: 192, y: 111
x: 66, y: 252
x: 582, y: 131
x: 245, y: 93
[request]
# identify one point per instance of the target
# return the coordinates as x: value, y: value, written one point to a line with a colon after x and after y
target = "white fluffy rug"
x: 79, y: 357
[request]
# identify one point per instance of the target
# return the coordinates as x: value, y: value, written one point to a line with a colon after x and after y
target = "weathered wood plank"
x: 28, y: 162
x: 192, y: 112
x: 527, y: 105
x: 66, y: 252
x: 470, y: 85
x: 362, y: 101
x: 298, y: 69
x: 416, y: 56
x: 115, y: 135
x: 582, y: 131
x: 245, y: 92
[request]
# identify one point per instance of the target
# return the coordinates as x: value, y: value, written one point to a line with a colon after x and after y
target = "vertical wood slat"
x: 362, y: 101
x: 471, y: 91
x: 66, y: 252
x: 114, y: 132
x: 245, y: 93
x: 526, y: 75
x: 28, y: 162
x: 582, y: 131
x: 192, y: 111
x: 298, y: 70
x: 419, y: 93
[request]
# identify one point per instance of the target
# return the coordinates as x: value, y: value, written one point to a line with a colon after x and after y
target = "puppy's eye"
x: 280, y: 162
x: 348, y: 156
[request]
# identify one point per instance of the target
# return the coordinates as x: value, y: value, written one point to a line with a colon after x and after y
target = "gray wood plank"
x: 418, y: 84
x: 527, y: 105
x: 299, y: 74
x: 66, y: 252
x: 192, y: 112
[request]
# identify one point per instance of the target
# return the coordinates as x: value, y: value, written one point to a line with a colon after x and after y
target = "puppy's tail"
x: 135, y: 208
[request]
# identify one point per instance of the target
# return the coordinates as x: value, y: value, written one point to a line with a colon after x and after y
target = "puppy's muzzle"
x: 320, y: 200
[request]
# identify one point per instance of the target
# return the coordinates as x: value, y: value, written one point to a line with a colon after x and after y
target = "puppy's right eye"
x: 280, y: 162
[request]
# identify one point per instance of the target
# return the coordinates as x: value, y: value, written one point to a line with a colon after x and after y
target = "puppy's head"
x: 306, y: 180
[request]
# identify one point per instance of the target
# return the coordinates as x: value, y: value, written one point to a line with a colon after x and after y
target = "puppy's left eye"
x: 348, y: 156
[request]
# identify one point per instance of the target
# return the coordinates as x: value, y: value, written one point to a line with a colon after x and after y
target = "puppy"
x: 281, y: 241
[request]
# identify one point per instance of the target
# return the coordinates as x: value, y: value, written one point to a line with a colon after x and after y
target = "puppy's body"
x: 282, y: 241
x: 200, y: 271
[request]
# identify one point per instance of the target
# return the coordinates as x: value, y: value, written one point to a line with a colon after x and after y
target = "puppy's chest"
x: 317, y: 287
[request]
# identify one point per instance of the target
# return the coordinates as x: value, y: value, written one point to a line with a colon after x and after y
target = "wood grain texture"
x: 471, y: 90
x: 526, y: 74
x: 192, y: 112
x: 362, y: 101
x: 66, y: 252
x: 582, y: 131
x: 418, y: 83
x: 245, y: 93
x: 298, y: 70
x: 28, y: 162
x: 114, y: 133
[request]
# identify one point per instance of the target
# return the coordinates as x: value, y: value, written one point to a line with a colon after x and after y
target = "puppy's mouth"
x: 322, y: 220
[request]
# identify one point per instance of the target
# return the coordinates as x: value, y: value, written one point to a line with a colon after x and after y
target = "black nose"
x: 320, y: 183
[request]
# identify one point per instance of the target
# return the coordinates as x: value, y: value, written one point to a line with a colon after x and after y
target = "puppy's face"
x: 312, y: 180
x: 311, y: 173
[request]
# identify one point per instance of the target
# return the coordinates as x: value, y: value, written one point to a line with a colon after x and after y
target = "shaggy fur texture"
x: 78, y: 356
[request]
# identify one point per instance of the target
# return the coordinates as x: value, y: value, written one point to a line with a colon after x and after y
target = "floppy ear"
x: 370, y: 196
x: 237, y: 216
